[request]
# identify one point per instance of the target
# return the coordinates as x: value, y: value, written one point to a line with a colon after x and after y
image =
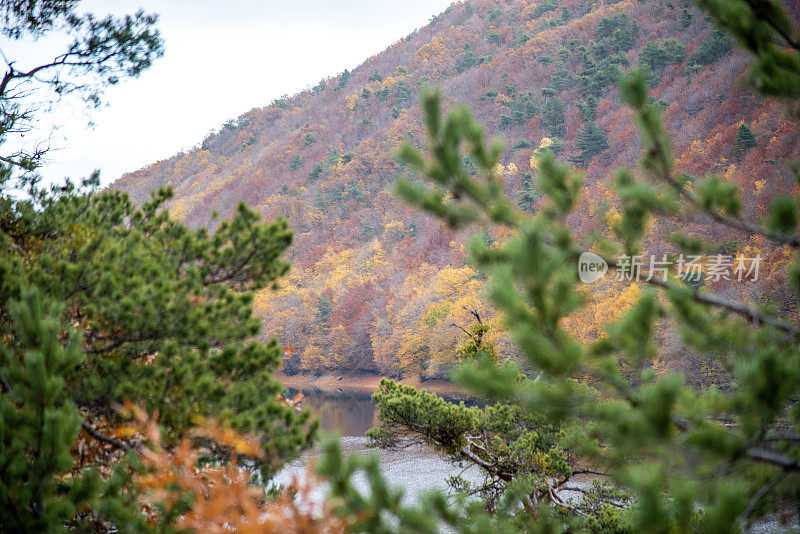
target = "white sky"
x: 222, y: 58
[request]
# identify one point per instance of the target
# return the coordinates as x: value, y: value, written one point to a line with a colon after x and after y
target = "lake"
x: 416, y: 469
x: 346, y: 413
x: 349, y: 414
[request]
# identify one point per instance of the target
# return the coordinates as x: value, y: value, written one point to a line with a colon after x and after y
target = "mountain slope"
x: 376, y: 286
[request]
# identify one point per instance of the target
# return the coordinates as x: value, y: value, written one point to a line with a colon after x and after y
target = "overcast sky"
x: 222, y: 58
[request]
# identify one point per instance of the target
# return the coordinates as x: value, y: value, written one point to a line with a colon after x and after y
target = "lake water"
x: 349, y: 414
x: 346, y: 413
x: 416, y: 469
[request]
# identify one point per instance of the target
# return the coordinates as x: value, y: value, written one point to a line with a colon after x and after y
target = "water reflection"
x: 416, y: 468
x: 347, y: 413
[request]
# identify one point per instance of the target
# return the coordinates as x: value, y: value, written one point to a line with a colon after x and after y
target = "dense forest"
x: 585, y: 215
x: 538, y: 75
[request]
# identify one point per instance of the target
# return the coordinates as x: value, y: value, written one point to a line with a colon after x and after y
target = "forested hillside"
x: 376, y: 286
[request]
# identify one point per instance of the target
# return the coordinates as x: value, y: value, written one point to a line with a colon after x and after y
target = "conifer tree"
x: 745, y: 139
x: 40, y: 488
x: 692, y: 460
x: 591, y: 142
x: 554, y: 117
x: 528, y: 195
x: 165, y: 311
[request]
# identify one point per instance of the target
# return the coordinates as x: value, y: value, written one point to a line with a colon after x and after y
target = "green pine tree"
x: 165, y: 311
x: 40, y: 488
x: 528, y: 196
x: 554, y: 117
x: 692, y: 460
x: 745, y: 139
x: 591, y: 142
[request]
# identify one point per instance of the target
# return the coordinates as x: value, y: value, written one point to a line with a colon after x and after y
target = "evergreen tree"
x: 745, y: 139
x: 404, y: 93
x: 562, y: 78
x: 766, y: 31
x: 528, y: 195
x: 316, y: 172
x: 655, y: 57
x: 587, y: 107
x: 554, y: 117
x: 511, y: 446
x: 620, y: 30
x: 591, y: 142
x: 101, y: 52
x: 296, y: 162
x: 165, y: 311
x: 686, y: 17
x: 713, y: 49
x: 521, y: 144
x: 692, y: 460
x: 40, y: 488
x: 344, y: 79
x: 466, y: 61
x: 523, y: 107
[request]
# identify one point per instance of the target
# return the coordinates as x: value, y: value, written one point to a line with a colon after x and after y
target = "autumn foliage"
x: 181, y: 487
x: 376, y: 286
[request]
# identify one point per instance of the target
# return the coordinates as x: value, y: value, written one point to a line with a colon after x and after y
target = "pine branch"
x: 752, y: 314
x: 96, y: 434
x: 659, y: 151
x: 787, y: 463
x: 589, y: 472
x: 757, y: 496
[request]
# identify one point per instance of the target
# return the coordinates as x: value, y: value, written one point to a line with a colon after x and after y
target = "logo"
x: 591, y: 267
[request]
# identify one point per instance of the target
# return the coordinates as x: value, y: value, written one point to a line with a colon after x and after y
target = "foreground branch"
x: 96, y: 434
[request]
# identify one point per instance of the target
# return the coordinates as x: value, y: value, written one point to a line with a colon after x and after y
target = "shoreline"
x: 366, y: 384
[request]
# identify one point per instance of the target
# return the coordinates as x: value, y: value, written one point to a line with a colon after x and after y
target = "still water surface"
x: 346, y: 413
x: 416, y: 469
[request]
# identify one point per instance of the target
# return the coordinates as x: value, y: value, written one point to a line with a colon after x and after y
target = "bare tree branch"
x: 787, y: 463
x: 757, y: 496
x: 96, y: 434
